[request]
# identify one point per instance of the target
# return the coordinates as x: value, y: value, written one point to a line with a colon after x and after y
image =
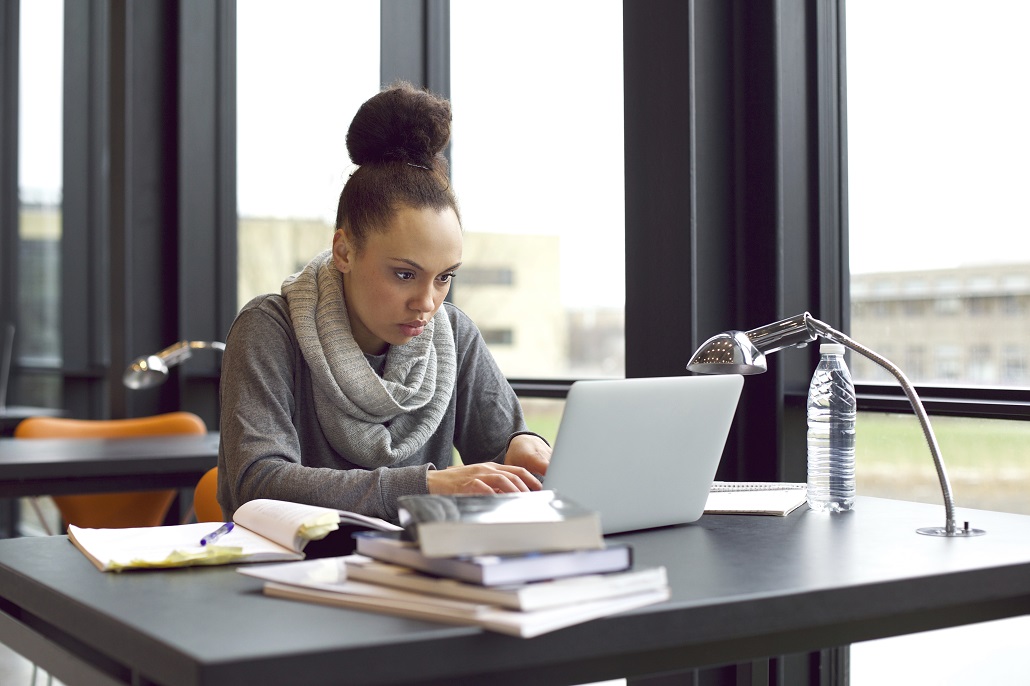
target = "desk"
x: 58, y: 466
x: 742, y: 588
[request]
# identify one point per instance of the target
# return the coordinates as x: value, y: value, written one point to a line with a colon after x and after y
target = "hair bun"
x: 400, y: 124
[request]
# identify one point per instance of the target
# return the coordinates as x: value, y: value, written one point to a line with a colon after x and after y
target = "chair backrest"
x: 205, y: 498
x: 113, y: 510
x: 167, y: 424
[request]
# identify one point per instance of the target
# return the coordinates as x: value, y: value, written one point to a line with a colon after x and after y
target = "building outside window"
x: 537, y: 163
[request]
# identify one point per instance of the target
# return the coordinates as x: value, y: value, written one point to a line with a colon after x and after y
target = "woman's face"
x: 398, y: 280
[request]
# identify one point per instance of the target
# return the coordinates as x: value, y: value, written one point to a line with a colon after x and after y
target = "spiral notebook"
x: 777, y: 498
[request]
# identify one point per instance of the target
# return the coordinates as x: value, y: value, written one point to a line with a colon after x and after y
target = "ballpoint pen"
x: 217, y: 533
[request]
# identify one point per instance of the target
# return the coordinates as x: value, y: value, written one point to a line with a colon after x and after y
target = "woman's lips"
x: 412, y: 329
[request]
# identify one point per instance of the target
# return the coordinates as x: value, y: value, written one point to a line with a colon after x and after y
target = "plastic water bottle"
x: 831, y: 433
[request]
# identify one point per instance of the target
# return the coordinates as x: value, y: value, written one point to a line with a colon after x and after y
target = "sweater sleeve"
x: 271, y: 446
x: 488, y: 411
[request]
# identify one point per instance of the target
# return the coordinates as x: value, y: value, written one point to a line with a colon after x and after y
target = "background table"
x: 71, y: 465
x: 743, y: 587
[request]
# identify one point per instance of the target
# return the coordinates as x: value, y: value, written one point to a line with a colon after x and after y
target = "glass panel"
x: 937, y: 139
x: 538, y: 167
x: 940, y: 260
x: 40, y: 169
x: 987, y: 461
x: 303, y: 69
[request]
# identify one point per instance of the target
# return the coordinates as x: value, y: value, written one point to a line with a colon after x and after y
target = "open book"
x: 263, y: 530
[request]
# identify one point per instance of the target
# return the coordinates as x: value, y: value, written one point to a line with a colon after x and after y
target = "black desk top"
x: 742, y: 588
x: 67, y: 465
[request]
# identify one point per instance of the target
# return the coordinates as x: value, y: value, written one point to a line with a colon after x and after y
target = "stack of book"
x: 522, y: 564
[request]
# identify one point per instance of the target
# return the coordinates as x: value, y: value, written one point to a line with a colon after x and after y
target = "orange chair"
x: 205, y: 498
x: 113, y: 510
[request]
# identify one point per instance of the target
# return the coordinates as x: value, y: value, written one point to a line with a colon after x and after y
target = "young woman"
x: 354, y: 385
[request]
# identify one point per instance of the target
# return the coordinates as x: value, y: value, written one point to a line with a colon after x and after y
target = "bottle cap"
x: 831, y: 349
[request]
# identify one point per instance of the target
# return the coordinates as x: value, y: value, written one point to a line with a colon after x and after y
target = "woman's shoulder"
x: 263, y: 311
x: 460, y: 322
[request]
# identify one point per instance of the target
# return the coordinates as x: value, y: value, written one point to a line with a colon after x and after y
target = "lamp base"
x: 964, y: 532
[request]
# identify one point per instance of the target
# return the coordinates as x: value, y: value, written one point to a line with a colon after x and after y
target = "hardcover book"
x: 493, y: 570
x: 537, y: 521
x: 538, y: 595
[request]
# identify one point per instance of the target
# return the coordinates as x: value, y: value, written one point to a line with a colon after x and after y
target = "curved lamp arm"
x: 736, y: 352
x: 152, y: 370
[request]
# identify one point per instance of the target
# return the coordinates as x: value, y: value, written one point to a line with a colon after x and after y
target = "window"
x: 936, y: 136
x: 302, y: 73
x: 40, y: 164
x: 537, y: 155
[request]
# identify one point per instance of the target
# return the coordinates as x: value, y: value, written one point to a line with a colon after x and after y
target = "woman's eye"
x: 405, y: 276
x: 446, y: 278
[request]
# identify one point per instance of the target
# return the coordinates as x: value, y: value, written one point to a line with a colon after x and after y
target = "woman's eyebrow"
x: 416, y: 265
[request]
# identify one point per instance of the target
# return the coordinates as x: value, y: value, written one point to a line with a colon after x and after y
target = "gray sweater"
x: 272, y: 444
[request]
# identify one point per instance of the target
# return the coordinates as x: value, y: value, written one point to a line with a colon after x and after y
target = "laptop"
x: 643, y: 452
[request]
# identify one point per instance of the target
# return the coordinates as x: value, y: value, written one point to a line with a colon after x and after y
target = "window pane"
x: 40, y: 168
x: 537, y: 163
x: 303, y: 69
x: 940, y: 259
x: 937, y: 143
x: 987, y: 461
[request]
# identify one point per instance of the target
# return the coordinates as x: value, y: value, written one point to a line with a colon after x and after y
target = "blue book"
x: 495, y: 570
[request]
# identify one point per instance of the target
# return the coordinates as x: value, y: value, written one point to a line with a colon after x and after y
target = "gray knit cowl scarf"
x: 370, y: 420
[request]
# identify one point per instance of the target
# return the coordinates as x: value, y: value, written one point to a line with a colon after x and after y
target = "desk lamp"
x: 152, y: 370
x: 743, y: 352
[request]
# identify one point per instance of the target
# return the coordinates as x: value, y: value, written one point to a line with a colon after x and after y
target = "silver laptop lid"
x: 643, y: 452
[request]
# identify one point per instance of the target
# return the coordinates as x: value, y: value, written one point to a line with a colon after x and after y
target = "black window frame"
x: 736, y: 199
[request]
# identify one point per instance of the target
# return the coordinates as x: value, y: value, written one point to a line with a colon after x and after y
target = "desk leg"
x: 9, y: 517
x: 823, y: 668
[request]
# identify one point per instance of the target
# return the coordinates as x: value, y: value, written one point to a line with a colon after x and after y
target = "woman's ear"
x: 343, y: 251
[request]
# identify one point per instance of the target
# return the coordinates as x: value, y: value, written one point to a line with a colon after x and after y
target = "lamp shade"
x: 730, y: 352
x: 152, y: 370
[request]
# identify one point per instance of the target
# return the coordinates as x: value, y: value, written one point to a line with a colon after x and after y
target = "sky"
x: 938, y: 105
x: 937, y: 135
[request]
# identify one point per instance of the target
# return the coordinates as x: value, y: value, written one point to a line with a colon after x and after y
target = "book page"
x: 172, y: 546
x: 290, y: 525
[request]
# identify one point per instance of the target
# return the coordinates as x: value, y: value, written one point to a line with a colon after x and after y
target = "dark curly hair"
x: 397, y: 138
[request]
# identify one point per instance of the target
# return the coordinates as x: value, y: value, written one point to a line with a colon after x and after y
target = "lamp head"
x: 152, y: 370
x: 145, y: 372
x: 730, y: 352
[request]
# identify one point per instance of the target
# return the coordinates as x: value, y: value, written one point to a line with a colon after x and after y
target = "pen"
x: 217, y: 533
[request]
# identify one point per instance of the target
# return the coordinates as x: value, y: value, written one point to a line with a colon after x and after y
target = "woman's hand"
x: 530, y: 452
x: 488, y: 477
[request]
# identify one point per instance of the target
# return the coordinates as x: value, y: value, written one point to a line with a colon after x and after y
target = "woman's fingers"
x: 482, y: 478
